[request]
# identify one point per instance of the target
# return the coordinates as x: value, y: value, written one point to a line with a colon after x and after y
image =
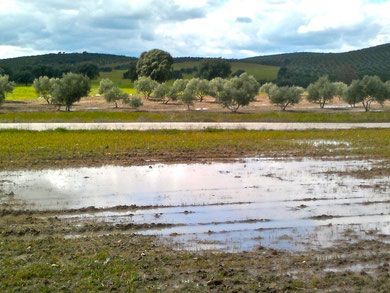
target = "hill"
x: 260, y: 72
x: 286, y: 69
x: 66, y: 59
x: 304, y: 68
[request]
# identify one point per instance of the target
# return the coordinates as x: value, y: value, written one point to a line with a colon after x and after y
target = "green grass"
x: 117, y: 77
x: 260, y: 72
x: 54, y: 148
x: 274, y: 116
x: 26, y: 93
x: 22, y: 93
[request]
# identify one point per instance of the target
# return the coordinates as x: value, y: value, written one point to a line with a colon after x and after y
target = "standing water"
x: 286, y: 204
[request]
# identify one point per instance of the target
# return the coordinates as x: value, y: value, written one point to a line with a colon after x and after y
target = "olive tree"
x: 145, y: 86
x: 115, y: 94
x: 156, y: 64
x: 367, y: 90
x: 177, y: 89
x: 188, y: 96
x: 6, y: 86
x: 43, y: 87
x: 160, y: 93
x: 217, y: 86
x: 105, y: 85
x: 238, y: 92
x: 285, y: 96
x: 200, y: 87
x: 266, y: 88
x: 322, y: 91
x: 353, y: 94
x: 70, y: 89
x: 341, y: 89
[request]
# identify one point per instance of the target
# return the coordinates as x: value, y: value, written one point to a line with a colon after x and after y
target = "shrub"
x: 135, y: 102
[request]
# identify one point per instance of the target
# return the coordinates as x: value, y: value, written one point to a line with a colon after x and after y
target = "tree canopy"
x: 285, y: 96
x: 322, y: 91
x: 156, y: 64
x: 212, y: 68
x: 6, y: 86
x: 70, y: 89
x: 238, y: 92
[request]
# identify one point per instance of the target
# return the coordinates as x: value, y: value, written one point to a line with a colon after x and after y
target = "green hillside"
x: 259, y: 71
x: 303, y: 68
x: 65, y: 59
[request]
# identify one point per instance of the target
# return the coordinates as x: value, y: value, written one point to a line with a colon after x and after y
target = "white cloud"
x: 192, y: 28
x: 15, y: 51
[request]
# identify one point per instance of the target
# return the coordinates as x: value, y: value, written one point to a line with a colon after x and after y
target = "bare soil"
x: 97, y: 103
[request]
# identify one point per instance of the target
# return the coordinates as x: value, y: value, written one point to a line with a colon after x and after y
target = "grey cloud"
x: 244, y: 19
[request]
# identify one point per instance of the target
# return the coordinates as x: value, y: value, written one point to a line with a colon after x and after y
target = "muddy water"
x: 286, y: 204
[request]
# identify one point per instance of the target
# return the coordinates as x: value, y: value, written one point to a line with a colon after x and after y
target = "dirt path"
x: 142, y: 126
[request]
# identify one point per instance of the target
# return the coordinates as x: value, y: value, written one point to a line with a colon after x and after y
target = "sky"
x: 218, y: 28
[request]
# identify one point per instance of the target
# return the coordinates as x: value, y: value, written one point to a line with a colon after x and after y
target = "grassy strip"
x: 273, y: 116
x: 27, y: 149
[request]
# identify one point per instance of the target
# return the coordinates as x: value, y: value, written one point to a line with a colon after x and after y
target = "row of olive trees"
x: 113, y: 94
x: 64, y: 91
x: 231, y: 93
x: 367, y: 90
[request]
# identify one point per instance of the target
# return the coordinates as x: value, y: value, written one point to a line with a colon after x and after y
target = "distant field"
x: 22, y: 93
x: 260, y: 72
x: 25, y: 93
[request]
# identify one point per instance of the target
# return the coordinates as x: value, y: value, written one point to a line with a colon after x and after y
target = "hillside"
x: 65, y: 59
x: 303, y: 68
x: 259, y: 71
x: 286, y: 69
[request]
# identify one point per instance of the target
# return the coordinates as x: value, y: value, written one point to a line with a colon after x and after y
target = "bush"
x: 135, y: 102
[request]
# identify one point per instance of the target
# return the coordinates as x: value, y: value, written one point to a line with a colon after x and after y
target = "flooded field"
x: 257, y: 202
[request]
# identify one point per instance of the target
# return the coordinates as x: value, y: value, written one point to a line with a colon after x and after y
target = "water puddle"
x: 256, y: 202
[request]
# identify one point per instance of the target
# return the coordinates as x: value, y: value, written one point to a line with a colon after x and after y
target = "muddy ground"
x: 36, y: 257
x: 71, y: 249
x: 97, y: 103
